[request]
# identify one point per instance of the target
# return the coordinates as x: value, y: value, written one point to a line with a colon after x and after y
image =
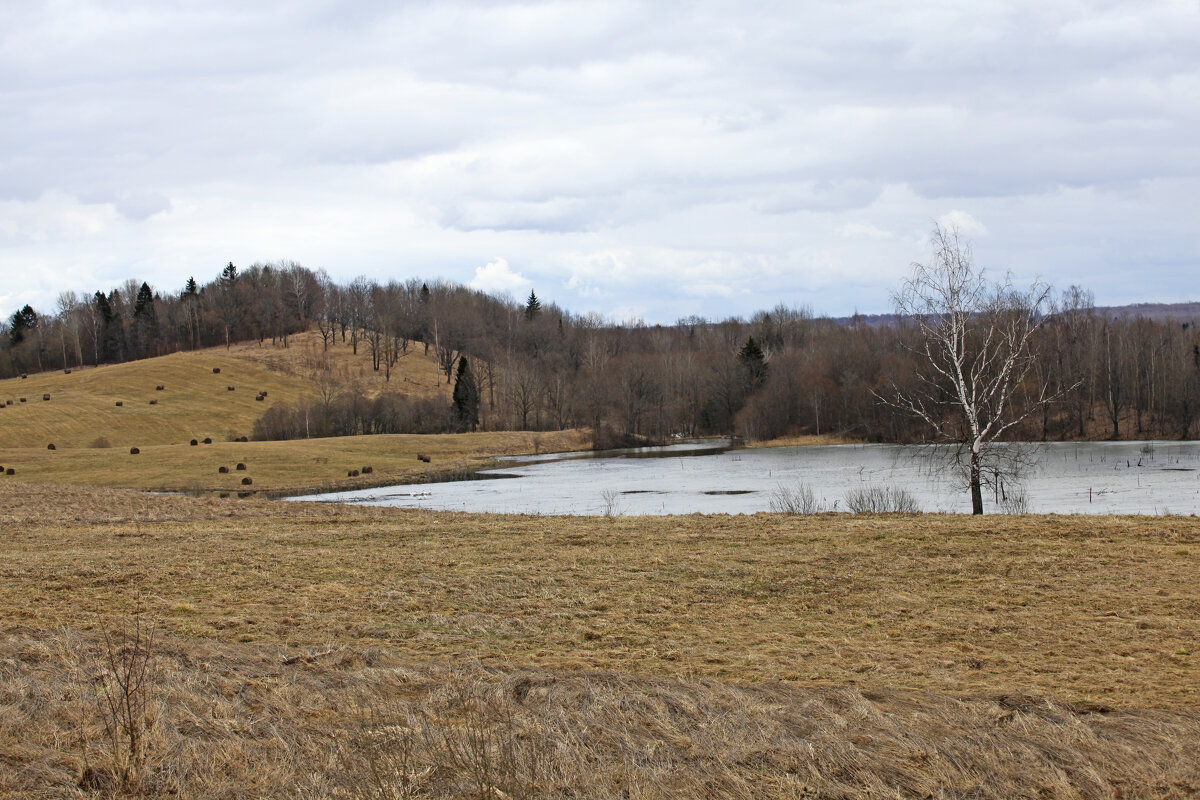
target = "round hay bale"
x: 259, y: 398
x: 264, y: 394
x: 119, y: 404
x: 153, y: 402
x: 10, y: 471
x: 158, y: 388
x: 352, y: 473
x: 133, y: 451
x: 216, y: 370
x: 240, y: 467
x: 50, y: 446
x: 22, y: 399
x: 243, y: 438
x: 193, y: 443
x: 229, y: 388
x: 208, y: 440
x: 367, y: 470
x: 246, y: 481
x: 223, y: 470
x: 45, y: 397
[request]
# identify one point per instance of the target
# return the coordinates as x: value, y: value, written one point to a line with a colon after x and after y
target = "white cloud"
x: 962, y: 222
x: 496, y: 276
x: 863, y: 230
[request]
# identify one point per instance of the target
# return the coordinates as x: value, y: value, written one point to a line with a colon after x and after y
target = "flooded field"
x: 1084, y: 477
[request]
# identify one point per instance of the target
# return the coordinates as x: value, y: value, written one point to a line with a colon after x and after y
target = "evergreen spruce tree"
x: 145, y: 322
x: 533, y: 306
x: 466, y: 397
x: 754, y: 361
x: 21, y: 323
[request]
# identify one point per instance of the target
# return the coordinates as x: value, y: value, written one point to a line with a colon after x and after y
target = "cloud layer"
x: 640, y: 159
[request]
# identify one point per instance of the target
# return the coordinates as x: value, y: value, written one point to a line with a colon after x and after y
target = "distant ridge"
x: 1159, y: 312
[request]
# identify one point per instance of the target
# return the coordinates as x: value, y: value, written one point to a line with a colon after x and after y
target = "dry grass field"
x: 509, y: 656
x: 316, y: 464
x: 194, y: 402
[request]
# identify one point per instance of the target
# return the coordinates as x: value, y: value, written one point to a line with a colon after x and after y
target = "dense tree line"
x: 531, y: 365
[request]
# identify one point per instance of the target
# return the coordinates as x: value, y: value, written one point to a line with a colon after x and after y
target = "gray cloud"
x: 711, y: 159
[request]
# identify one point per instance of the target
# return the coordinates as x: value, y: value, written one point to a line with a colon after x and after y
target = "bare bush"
x: 798, y: 499
x: 881, y: 500
x: 123, y: 690
x: 610, y: 503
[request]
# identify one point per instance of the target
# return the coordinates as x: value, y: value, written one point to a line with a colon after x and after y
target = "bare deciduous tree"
x: 974, y: 347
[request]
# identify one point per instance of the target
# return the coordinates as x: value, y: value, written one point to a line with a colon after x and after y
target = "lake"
x: 696, y: 477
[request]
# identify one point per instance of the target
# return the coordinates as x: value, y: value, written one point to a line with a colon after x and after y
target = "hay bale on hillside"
x: 352, y: 473
x: 119, y: 404
x: 193, y: 443
x: 22, y: 399
x: 367, y: 470
x: 158, y: 388
x: 216, y: 370
x: 50, y: 446
x: 229, y: 388
x: 133, y: 451
x: 246, y: 481
x: 153, y: 402
x: 10, y: 471
x: 45, y: 397
x: 241, y: 467
x: 423, y: 457
x: 259, y: 398
x: 208, y: 440
x: 223, y: 470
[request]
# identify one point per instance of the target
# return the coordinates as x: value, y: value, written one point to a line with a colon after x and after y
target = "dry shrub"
x: 159, y: 388
x: 229, y: 388
x: 881, y: 500
x: 124, y: 688
x: 798, y: 499
x: 100, y: 443
x: 153, y: 402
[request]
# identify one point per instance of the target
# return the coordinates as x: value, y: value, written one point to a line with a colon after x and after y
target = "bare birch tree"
x: 974, y: 346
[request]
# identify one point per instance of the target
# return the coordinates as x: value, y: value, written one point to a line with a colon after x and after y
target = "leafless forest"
x: 535, y: 366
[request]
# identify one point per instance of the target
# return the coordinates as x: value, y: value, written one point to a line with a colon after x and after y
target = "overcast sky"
x: 650, y: 160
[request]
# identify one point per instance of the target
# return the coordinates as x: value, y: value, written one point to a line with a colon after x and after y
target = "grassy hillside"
x: 306, y: 650
x: 194, y: 402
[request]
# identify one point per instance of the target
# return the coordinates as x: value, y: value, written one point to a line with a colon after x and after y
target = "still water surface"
x: 1084, y: 477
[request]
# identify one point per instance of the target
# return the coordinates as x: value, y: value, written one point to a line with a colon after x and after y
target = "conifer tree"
x: 533, y: 306
x: 466, y: 396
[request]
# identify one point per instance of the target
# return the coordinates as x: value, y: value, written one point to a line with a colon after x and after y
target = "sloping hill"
x: 195, y: 401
